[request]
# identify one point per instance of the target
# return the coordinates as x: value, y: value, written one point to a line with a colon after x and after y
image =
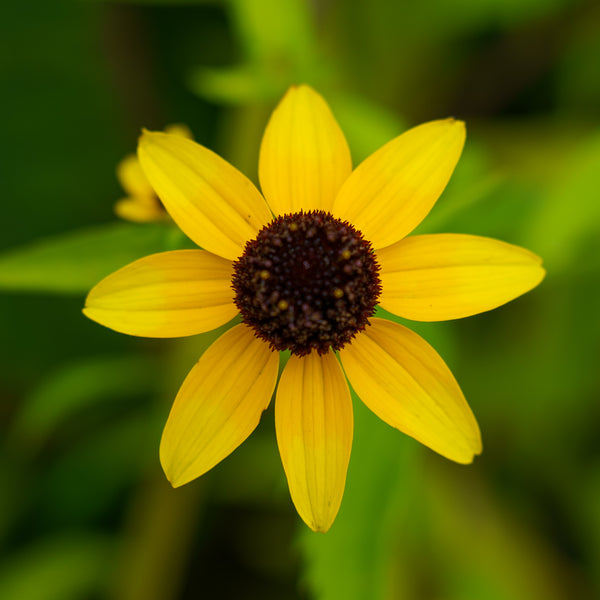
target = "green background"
x: 85, y: 512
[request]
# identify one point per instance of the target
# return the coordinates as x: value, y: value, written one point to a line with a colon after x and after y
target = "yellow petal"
x: 139, y: 211
x: 314, y: 423
x: 449, y: 276
x: 132, y: 178
x: 304, y: 157
x: 219, y: 404
x: 171, y: 294
x: 179, y: 129
x: 211, y: 201
x: 392, y: 191
x: 403, y: 380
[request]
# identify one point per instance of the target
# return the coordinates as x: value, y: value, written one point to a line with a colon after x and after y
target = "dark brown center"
x: 308, y: 281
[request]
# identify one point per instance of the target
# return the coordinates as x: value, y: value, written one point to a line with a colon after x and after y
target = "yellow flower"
x: 141, y: 204
x: 305, y: 266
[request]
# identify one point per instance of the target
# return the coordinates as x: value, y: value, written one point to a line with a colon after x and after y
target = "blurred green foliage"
x: 85, y: 511
x: 73, y: 262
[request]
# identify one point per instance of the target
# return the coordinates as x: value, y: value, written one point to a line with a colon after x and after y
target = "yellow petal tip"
x: 89, y: 312
x: 464, y: 459
x: 175, y: 480
x: 457, y: 128
x: 300, y: 87
x: 176, y: 483
x: 454, y: 122
x: 458, y: 124
x: 476, y: 450
x: 145, y: 133
x: 148, y: 137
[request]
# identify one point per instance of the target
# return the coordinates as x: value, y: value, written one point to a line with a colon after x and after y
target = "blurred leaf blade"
x: 279, y: 49
x: 570, y: 212
x: 72, y: 263
x: 90, y: 475
x: 81, y: 386
x: 271, y: 30
x: 66, y: 567
x: 507, y: 560
x: 366, y: 124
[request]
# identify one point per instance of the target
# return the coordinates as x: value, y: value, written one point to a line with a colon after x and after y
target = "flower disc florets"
x: 308, y: 281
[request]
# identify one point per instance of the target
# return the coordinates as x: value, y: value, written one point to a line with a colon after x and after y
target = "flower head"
x: 304, y: 265
x: 141, y: 203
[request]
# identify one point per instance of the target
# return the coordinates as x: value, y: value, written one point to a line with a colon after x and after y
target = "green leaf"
x: 69, y: 567
x: 471, y: 191
x: 278, y: 48
x: 275, y: 32
x: 73, y: 262
x: 486, y: 549
x: 79, y: 387
x: 236, y: 85
x: 93, y: 470
x: 569, y: 215
x: 366, y: 125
